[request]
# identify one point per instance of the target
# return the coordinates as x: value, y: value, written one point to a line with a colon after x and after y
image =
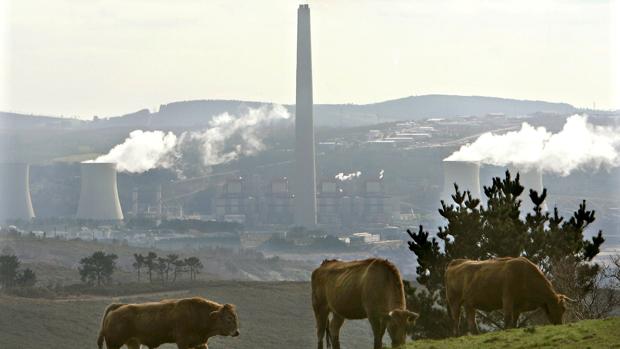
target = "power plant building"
x: 235, y: 202
x: 15, y: 202
x: 99, y: 193
x: 304, y: 181
x: 278, y: 203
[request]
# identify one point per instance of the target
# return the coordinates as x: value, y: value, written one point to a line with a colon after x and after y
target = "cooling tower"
x: 304, y: 182
x: 15, y: 200
x: 99, y: 195
x: 529, y: 179
x: 464, y: 173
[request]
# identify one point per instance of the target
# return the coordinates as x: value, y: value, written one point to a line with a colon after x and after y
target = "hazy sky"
x: 96, y: 57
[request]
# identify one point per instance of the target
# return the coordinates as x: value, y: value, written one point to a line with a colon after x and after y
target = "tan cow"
x: 514, y: 285
x: 370, y: 288
x: 188, y: 322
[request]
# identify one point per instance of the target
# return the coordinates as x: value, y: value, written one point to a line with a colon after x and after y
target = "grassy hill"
x: 272, y: 315
x: 56, y: 261
x: 580, y: 335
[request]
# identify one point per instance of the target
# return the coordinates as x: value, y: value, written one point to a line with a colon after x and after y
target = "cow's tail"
x: 108, y: 309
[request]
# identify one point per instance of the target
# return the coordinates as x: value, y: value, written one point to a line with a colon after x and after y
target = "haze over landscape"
x: 258, y: 174
x: 110, y: 58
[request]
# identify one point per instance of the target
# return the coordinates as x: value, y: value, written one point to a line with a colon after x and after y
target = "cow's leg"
x: 321, y: 316
x: 515, y: 318
x: 508, y: 308
x: 187, y: 341
x: 334, y: 330
x: 378, y: 330
x: 133, y: 344
x: 470, y: 313
x: 455, y: 315
x: 111, y: 344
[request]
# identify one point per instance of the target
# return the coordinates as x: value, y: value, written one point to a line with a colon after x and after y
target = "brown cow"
x: 188, y: 322
x: 514, y: 285
x: 370, y: 288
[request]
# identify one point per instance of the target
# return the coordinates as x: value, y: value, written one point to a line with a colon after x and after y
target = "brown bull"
x: 514, y: 285
x: 370, y: 288
x: 187, y: 322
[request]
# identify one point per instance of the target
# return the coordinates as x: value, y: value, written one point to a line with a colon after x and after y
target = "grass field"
x: 56, y: 261
x: 272, y: 315
x: 591, y: 334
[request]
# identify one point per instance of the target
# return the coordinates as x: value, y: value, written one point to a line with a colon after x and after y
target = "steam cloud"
x: 345, y: 177
x: 579, y: 145
x: 227, y: 138
x: 142, y: 151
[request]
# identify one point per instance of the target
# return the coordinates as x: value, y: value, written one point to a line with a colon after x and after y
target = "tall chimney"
x: 305, y: 172
x: 15, y: 200
x: 134, y: 202
x: 99, y: 194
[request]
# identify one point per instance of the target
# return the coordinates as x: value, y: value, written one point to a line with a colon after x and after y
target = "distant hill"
x: 197, y: 113
x: 17, y: 121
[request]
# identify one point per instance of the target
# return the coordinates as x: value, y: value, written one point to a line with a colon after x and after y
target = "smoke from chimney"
x: 227, y: 138
x: 345, y: 177
x: 579, y: 145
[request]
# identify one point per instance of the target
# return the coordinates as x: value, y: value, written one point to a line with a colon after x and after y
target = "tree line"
x: 98, y: 268
x: 166, y: 269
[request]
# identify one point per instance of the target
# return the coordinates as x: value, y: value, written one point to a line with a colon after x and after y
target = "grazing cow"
x: 370, y: 288
x: 514, y: 285
x: 188, y: 322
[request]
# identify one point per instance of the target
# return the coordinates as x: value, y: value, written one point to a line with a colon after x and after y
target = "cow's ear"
x: 411, y: 316
x: 213, y: 315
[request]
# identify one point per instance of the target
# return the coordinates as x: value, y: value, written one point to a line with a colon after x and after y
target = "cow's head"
x: 398, y: 321
x: 556, y: 308
x: 225, y: 320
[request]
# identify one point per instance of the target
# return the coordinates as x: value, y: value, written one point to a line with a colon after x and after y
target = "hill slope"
x: 580, y: 335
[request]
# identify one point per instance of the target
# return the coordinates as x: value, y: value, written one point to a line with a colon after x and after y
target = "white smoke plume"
x: 227, y: 138
x: 345, y: 177
x: 579, y: 145
x: 142, y: 151
x: 216, y: 148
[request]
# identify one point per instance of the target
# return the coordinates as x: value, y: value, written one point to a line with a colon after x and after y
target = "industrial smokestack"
x: 465, y: 174
x: 530, y: 179
x: 99, y: 194
x: 305, y: 172
x: 158, y: 203
x: 15, y: 200
x: 134, y: 202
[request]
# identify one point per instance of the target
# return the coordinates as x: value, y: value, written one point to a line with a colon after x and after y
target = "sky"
x: 80, y: 58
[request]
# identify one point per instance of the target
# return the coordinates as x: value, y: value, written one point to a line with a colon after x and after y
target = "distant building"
x: 328, y: 202
x: 278, y: 199
x: 234, y: 203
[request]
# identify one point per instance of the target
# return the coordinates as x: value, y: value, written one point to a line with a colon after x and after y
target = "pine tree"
x: 474, y: 231
x: 97, y: 268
